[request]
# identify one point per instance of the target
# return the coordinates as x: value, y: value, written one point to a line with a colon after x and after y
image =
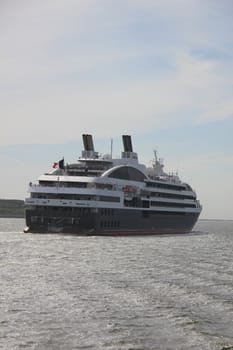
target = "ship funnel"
x: 127, y: 143
x: 89, y: 151
x: 88, y: 142
x: 128, y: 155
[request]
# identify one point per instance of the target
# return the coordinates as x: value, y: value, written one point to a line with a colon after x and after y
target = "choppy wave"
x: 117, y: 293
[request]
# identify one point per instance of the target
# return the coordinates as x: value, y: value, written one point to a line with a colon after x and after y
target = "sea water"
x: 167, y: 292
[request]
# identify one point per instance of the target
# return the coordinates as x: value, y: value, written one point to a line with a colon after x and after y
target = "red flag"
x: 59, y: 164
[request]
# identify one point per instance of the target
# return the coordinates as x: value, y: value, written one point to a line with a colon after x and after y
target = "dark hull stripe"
x: 119, y: 222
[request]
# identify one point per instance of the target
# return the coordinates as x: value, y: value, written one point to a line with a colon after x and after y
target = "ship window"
x: 128, y: 173
x: 102, y: 186
x: 165, y: 186
x: 109, y: 199
x: 171, y: 195
x: 172, y: 204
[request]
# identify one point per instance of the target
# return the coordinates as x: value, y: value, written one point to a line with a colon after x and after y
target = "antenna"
x: 111, y: 147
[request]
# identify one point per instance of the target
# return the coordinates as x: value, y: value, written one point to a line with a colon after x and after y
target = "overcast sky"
x: 160, y: 70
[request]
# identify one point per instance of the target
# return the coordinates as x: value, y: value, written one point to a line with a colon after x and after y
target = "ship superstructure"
x: 99, y: 195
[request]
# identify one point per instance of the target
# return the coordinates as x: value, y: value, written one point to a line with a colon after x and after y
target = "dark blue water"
x: 118, y: 293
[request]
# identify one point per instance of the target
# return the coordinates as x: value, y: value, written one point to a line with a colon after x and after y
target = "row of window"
x: 107, y: 212
x: 74, y: 197
x: 127, y: 173
x: 54, y: 220
x: 110, y: 211
x: 63, y: 184
x: 170, y: 195
x: 147, y: 204
x: 76, y: 211
x: 138, y: 177
x: 75, y: 184
x: 101, y: 186
x: 148, y: 213
x: 101, y: 198
x: 169, y: 204
x: 165, y: 186
x: 110, y: 224
x: 69, y: 184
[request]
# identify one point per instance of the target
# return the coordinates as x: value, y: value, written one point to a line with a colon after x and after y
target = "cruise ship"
x: 100, y: 195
